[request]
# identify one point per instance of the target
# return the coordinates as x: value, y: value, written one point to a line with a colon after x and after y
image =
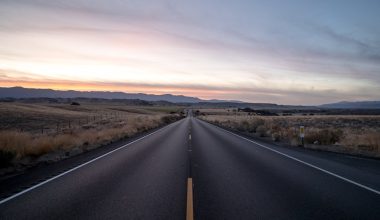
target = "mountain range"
x: 20, y: 93
x: 353, y: 105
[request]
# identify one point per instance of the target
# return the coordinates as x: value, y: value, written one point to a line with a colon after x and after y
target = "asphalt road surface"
x: 233, y: 178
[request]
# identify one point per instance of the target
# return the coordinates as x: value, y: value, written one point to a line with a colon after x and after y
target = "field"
x: 352, y: 134
x: 33, y: 132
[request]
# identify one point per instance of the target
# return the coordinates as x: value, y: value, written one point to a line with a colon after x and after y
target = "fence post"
x: 302, y: 135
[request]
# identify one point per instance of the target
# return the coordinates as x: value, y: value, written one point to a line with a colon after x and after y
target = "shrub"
x: 275, y: 136
x: 261, y: 130
x: 243, y: 126
x: 323, y: 136
x: 18, y: 144
x: 256, y: 123
x: 170, y: 118
x: 369, y: 141
x: 354, y: 134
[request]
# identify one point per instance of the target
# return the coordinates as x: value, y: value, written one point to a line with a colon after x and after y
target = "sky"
x: 275, y: 51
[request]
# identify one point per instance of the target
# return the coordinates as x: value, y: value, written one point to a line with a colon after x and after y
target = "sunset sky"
x: 286, y: 52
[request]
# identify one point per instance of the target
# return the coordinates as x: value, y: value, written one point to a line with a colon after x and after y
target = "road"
x: 233, y: 178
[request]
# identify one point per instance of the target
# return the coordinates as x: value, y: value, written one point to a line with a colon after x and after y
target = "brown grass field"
x: 30, y: 132
x: 352, y: 134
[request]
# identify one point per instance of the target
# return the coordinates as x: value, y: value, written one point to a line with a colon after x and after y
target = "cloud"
x: 250, y: 94
x: 233, y: 50
x: 351, y: 49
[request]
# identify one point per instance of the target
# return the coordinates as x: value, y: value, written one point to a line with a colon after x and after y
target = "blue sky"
x: 288, y: 52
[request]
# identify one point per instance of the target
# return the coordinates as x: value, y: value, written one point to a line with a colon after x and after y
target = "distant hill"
x: 353, y: 105
x: 20, y: 92
x: 46, y: 94
x: 257, y: 106
x: 27, y: 93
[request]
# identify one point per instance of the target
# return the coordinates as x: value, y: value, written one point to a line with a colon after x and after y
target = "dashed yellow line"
x: 189, y: 207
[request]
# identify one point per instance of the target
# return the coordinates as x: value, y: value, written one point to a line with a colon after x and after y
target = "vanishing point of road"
x: 192, y: 169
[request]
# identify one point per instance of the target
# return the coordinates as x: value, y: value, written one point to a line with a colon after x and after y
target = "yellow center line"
x: 189, y: 207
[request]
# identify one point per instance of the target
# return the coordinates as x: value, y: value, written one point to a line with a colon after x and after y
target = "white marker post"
x: 302, y: 135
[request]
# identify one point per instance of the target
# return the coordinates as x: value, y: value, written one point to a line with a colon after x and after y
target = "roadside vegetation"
x: 352, y: 134
x: 35, y: 132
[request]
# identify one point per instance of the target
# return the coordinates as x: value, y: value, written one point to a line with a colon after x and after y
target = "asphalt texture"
x: 233, y: 178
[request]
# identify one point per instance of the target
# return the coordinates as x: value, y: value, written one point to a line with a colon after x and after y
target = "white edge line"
x: 303, y: 162
x: 77, y: 167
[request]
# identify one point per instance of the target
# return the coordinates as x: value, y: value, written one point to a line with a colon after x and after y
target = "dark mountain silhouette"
x: 353, y: 105
x: 25, y: 93
x: 20, y: 92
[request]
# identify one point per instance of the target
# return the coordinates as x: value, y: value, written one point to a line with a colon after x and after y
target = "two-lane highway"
x: 233, y: 177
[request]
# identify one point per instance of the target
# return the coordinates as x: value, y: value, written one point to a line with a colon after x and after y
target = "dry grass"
x: 25, y: 144
x: 46, y: 117
x: 351, y: 134
x: 70, y: 128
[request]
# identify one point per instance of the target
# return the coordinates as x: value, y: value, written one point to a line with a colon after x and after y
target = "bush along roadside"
x: 22, y: 149
x: 339, y: 140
